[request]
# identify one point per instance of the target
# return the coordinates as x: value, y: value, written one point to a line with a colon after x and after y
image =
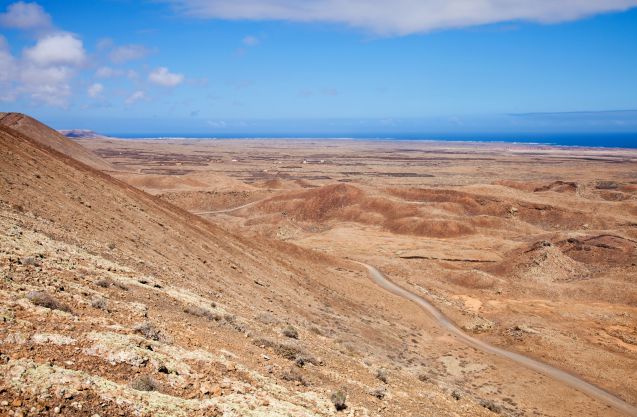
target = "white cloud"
x: 165, y: 78
x: 22, y: 15
x: 251, y: 41
x: 104, y: 43
x: 95, y: 90
x: 7, y: 61
x: 400, y: 17
x: 50, y: 85
x: 135, y: 97
x: 57, y: 49
x: 128, y: 53
x: 8, y: 70
x: 45, y: 71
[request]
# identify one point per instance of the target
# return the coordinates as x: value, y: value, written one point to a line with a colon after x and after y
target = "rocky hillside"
x: 114, y: 302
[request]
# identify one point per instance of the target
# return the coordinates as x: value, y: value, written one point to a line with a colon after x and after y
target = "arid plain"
x: 220, y: 277
x: 533, y: 248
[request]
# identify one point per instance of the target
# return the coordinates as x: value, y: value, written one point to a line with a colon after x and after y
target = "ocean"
x: 605, y: 140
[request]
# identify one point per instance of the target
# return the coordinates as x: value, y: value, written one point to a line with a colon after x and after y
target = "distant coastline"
x: 587, y: 140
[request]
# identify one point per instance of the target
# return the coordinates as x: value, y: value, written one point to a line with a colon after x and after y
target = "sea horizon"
x: 585, y: 140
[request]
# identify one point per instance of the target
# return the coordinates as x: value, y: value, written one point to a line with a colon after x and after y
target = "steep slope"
x: 117, y: 303
x: 52, y: 138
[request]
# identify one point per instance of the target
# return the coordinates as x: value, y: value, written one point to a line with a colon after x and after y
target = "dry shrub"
x: 286, y: 351
x: 202, y: 312
x: 120, y: 285
x: 379, y: 393
x: 30, y: 261
x: 381, y: 375
x: 338, y: 399
x: 103, y: 282
x: 99, y: 303
x: 291, y: 332
x: 42, y: 299
x: 149, y: 331
x: 491, y: 406
x: 144, y: 383
x: 293, y: 375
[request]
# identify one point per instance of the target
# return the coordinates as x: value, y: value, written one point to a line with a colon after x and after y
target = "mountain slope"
x: 116, y: 302
x: 52, y: 138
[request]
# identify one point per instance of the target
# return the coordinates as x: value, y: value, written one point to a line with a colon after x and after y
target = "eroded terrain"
x: 533, y: 248
x: 117, y: 298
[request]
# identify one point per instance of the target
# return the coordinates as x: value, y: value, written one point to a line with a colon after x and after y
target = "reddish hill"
x: 46, y: 136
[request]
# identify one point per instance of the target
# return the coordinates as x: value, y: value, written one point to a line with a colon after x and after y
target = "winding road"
x: 548, y: 370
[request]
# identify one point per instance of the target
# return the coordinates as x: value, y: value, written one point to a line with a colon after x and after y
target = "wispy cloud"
x: 581, y: 118
x: 127, y: 53
x: 94, y: 90
x: 401, y: 17
x: 162, y: 76
x: 251, y: 40
x: 135, y: 97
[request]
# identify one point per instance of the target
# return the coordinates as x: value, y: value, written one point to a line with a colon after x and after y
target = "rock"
x: 16, y: 403
x: 206, y: 388
x: 216, y: 391
x: 56, y: 410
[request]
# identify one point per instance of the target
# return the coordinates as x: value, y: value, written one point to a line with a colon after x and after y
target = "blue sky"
x: 322, y: 66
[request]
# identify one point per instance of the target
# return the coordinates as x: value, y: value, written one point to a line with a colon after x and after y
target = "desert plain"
x: 226, y: 274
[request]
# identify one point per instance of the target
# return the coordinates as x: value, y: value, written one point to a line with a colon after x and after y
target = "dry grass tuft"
x: 338, y: 399
x: 202, y: 312
x: 149, y: 331
x: 42, y: 299
x: 291, y: 332
x: 144, y: 383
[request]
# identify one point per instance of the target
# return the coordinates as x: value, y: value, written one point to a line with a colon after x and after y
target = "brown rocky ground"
x: 117, y: 302
x: 534, y: 248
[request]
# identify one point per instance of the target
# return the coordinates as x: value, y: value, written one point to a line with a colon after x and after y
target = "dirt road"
x: 533, y: 364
